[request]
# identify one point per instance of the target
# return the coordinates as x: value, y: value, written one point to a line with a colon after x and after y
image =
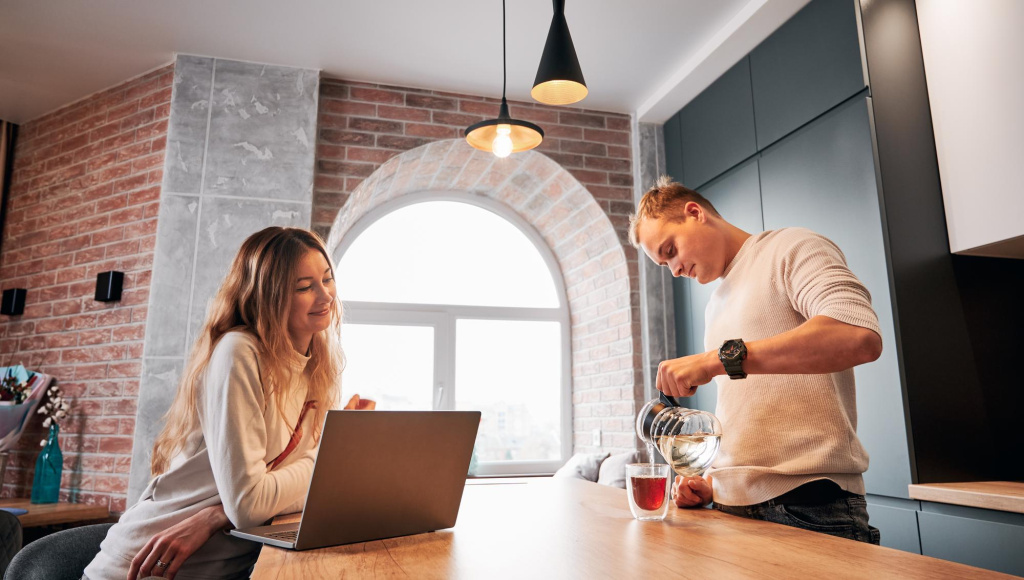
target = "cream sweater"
x: 781, y: 431
x: 225, y: 462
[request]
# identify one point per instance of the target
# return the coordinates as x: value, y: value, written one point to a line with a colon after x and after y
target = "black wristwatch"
x: 732, y: 353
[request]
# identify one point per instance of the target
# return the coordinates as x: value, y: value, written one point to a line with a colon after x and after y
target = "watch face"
x: 732, y: 349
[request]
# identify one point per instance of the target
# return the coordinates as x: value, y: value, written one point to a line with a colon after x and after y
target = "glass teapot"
x: 688, y: 439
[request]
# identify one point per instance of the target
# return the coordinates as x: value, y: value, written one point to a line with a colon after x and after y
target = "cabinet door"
x: 809, y: 65
x: 896, y: 520
x: 823, y: 178
x: 717, y: 127
x: 976, y: 540
x: 673, y: 149
x: 737, y: 196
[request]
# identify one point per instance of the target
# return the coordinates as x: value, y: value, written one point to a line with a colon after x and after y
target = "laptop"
x: 380, y: 474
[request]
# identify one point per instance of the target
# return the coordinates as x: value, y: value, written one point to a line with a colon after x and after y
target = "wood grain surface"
x: 568, y: 528
x: 46, y: 514
x: 1007, y: 496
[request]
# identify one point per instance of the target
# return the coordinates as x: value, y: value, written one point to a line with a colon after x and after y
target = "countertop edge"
x: 1006, y: 496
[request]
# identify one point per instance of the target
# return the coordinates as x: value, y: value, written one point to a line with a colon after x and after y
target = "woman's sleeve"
x: 230, y: 406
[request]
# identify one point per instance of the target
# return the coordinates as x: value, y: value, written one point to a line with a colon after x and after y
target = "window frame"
x: 443, y: 317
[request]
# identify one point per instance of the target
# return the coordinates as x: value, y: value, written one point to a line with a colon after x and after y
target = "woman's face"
x: 313, y: 292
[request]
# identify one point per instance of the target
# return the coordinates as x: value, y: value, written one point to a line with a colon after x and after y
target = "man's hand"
x: 691, y: 491
x: 357, y: 404
x: 680, y: 377
x: 174, y: 545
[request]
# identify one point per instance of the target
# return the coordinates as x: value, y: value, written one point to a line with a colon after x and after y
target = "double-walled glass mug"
x: 688, y: 439
x: 648, y: 487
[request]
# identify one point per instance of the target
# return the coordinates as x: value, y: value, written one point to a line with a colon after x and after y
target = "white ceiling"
x: 648, y: 57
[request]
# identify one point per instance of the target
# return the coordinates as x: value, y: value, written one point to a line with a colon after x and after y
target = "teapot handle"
x: 667, y: 400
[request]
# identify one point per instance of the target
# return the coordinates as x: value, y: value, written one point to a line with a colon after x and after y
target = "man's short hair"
x: 665, y: 198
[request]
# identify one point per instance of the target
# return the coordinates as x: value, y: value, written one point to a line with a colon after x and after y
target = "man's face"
x: 687, y: 247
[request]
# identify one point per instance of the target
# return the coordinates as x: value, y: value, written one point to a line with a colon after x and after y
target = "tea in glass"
x: 647, y: 486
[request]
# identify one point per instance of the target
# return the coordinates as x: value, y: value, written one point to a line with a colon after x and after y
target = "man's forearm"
x: 820, y: 345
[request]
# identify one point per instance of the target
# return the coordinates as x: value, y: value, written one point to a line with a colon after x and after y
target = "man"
x: 783, y: 331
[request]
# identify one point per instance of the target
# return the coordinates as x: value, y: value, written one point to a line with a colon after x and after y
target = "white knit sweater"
x: 223, y: 462
x: 781, y: 431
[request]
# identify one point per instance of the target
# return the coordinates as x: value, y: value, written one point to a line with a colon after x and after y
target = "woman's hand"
x: 357, y: 404
x: 174, y: 545
x: 691, y: 491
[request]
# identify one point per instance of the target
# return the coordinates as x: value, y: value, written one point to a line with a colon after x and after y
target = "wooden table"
x: 48, y: 514
x: 1007, y: 496
x: 568, y: 528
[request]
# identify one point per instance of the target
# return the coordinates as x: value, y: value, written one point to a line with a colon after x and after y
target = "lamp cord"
x: 504, y: 64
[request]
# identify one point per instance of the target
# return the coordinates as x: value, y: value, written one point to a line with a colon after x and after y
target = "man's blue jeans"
x: 846, y: 517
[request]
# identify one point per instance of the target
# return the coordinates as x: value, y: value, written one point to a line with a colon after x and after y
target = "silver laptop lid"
x: 381, y: 474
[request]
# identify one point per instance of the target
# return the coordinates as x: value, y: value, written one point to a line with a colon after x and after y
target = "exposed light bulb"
x: 502, y: 145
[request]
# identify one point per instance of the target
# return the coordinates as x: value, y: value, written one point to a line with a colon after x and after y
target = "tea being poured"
x: 688, y: 439
x: 689, y: 455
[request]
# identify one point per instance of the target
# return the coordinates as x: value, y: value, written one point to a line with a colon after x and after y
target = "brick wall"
x: 83, y: 200
x: 361, y: 126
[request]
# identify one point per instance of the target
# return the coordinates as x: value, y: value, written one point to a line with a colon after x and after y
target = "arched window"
x: 454, y: 302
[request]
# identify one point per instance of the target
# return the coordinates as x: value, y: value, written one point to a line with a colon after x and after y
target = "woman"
x: 240, y: 438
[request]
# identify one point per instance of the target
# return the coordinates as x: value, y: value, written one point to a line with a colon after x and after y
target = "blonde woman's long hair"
x: 255, y: 298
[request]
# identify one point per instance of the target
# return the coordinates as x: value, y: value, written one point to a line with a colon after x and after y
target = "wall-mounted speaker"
x: 108, y: 286
x: 13, y: 302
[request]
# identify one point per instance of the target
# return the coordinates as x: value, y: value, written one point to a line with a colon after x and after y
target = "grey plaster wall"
x: 240, y: 157
x: 657, y: 319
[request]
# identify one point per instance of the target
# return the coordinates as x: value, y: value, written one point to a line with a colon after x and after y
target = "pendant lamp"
x: 504, y: 135
x: 559, y: 77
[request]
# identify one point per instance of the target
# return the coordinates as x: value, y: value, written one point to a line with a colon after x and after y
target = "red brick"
x: 125, y: 369
x: 403, y: 113
x: 348, y: 108
x: 584, y: 147
x: 458, y: 119
x: 130, y: 183
x: 122, y: 111
x: 581, y: 119
x: 430, y: 102
x: 156, y: 129
x: 126, y: 333
x: 610, y: 137
x: 620, y: 165
x: 91, y: 337
x: 116, y: 445
x: 374, y: 125
x: 74, y: 143
x: 401, y: 143
x: 375, y: 95
x: 326, y: 182
x: 432, y: 131
x: 338, y: 137
x: 333, y: 89
x: 92, y: 354
x: 129, y: 214
x: 371, y: 155
x: 326, y: 151
x: 157, y: 98
x: 346, y: 168
x: 132, y: 151
x: 110, y: 204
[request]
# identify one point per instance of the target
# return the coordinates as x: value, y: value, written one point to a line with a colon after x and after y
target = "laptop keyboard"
x: 288, y: 536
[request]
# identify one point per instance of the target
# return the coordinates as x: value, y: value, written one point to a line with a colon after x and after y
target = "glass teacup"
x: 647, y: 485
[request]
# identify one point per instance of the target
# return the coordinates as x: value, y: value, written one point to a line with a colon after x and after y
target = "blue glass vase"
x: 49, y: 465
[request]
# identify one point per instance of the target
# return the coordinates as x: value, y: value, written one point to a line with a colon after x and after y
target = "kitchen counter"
x: 568, y: 528
x: 1007, y: 496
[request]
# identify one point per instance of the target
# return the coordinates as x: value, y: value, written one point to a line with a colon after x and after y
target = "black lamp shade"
x: 559, y: 77
x: 13, y: 303
x: 524, y: 134
x: 108, y: 286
